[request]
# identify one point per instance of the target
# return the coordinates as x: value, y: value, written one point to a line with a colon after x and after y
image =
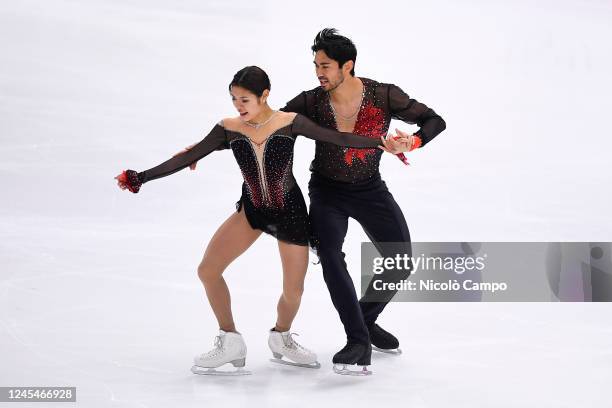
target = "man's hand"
x: 402, y: 142
x: 185, y: 150
x: 395, y: 144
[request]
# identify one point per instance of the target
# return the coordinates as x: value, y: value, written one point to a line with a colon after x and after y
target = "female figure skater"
x: 262, y: 142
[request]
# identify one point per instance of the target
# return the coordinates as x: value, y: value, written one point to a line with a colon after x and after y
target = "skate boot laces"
x: 218, y: 348
x: 290, y: 342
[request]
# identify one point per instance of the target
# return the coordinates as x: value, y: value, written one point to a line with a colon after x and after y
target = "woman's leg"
x: 295, y: 262
x: 232, y: 238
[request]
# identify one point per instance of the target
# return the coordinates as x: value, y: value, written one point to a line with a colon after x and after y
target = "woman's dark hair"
x: 251, y: 78
x: 336, y: 46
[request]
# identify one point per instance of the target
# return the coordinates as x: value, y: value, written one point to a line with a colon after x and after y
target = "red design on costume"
x: 276, y: 194
x: 370, y: 123
x: 253, y: 187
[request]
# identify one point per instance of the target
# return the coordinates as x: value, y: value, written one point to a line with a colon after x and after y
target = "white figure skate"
x: 283, y: 344
x: 229, y: 348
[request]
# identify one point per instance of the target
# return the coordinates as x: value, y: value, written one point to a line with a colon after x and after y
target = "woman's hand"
x: 128, y: 179
x: 395, y: 144
x: 399, y: 143
x: 121, y: 181
x: 192, y: 166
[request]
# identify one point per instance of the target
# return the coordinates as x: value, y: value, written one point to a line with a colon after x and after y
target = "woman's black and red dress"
x: 271, y: 198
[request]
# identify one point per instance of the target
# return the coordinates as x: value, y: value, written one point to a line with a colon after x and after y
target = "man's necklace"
x: 347, y: 118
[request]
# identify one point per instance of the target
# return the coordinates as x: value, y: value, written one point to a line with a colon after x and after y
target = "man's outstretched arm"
x: 411, y: 111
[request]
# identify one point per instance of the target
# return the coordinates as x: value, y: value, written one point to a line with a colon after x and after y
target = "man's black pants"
x: 371, y: 204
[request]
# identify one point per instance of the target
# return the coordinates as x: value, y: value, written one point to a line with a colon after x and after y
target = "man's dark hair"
x: 336, y: 46
x: 251, y: 78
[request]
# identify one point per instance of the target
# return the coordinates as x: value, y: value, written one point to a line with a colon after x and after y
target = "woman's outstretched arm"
x: 306, y: 127
x: 215, y: 140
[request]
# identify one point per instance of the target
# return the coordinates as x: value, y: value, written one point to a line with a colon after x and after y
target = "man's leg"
x: 329, y: 223
x: 383, y: 221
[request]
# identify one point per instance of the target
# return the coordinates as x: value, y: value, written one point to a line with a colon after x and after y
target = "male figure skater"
x: 346, y: 182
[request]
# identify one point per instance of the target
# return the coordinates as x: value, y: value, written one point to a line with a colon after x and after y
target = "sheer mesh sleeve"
x: 297, y: 104
x: 306, y: 127
x: 215, y: 140
x: 411, y: 111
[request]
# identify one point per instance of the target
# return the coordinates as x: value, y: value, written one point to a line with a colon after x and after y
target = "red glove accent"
x: 130, y: 179
x: 416, y: 143
x: 403, y: 158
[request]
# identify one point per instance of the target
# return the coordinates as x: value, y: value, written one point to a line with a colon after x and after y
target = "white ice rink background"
x: 98, y: 286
